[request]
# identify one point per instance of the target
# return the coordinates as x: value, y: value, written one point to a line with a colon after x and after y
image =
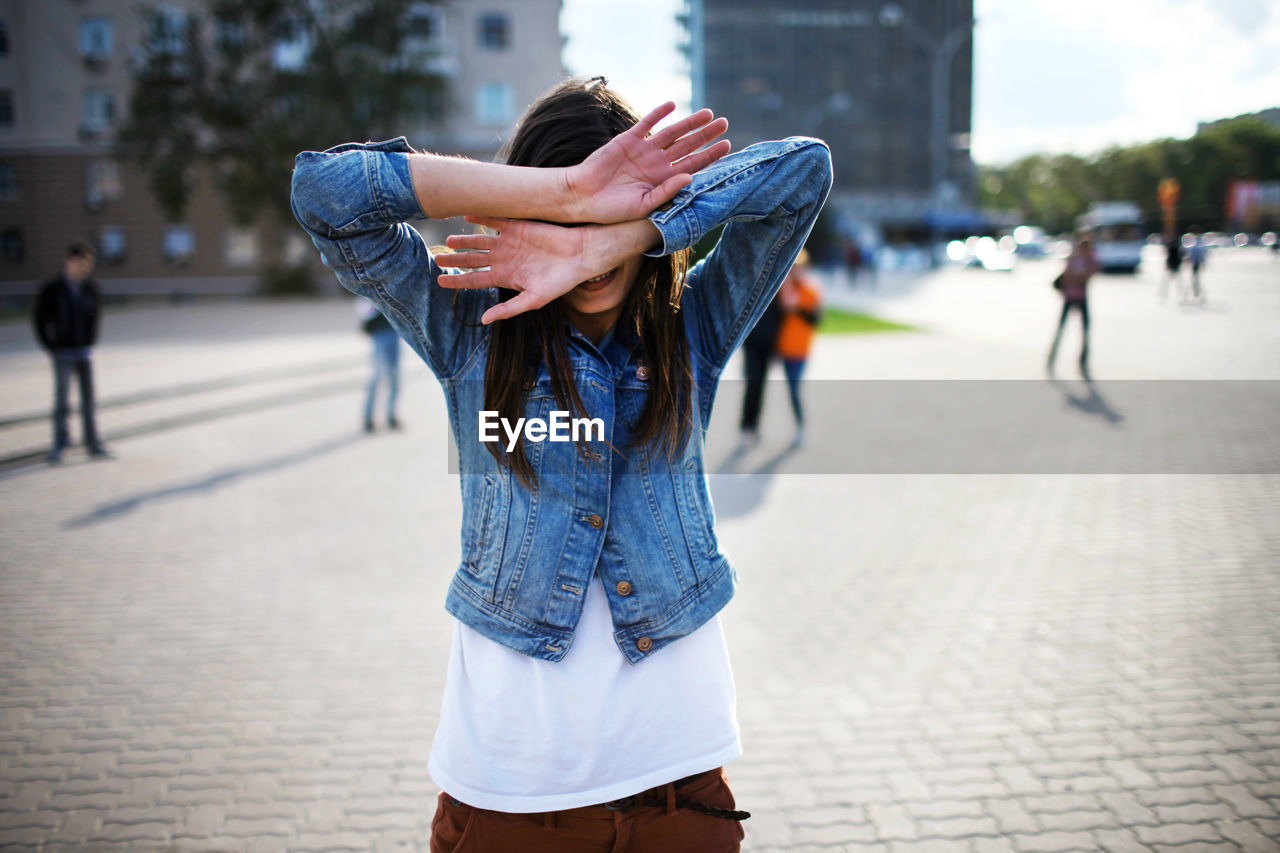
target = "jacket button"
x: 642, y: 373
x: 595, y: 521
x: 624, y: 587
x: 530, y: 384
x: 644, y: 644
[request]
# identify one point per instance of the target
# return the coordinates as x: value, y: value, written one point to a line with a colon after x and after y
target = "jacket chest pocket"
x: 487, y: 531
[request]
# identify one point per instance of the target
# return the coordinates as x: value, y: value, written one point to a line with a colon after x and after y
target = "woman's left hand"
x: 634, y: 173
x: 541, y: 260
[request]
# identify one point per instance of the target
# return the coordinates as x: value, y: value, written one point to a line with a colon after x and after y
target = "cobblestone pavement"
x: 231, y: 637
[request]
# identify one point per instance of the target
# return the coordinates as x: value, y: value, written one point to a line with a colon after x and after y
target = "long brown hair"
x: 561, y: 129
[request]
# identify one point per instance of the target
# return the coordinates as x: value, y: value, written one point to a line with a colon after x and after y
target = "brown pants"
x: 459, y: 828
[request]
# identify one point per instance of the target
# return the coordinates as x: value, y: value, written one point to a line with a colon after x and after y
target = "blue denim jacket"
x: 644, y: 523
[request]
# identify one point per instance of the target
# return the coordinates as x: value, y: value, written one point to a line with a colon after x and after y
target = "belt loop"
x: 671, y: 798
x: 549, y: 820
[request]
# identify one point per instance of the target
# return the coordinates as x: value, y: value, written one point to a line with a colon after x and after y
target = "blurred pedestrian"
x: 1197, y: 253
x: 386, y: 361
x: 1074, y: 283
x: 67, y: 316
x: 758, y: 352
x: 800, y: 300
x: 1173, y: 266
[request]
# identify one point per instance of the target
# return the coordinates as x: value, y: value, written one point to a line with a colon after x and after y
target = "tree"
x: 250, y: 83
x: 1052, y: 191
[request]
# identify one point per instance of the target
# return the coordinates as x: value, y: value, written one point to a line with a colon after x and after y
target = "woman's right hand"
x: 541, y: 260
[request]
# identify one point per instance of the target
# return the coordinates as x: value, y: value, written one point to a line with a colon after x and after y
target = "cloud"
x: 1106, y: 73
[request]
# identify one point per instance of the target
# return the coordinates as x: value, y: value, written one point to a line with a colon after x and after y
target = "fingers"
x: 523, y: 301
x: 482, y: 242
x: 691, y: 142
x: 476, y: 280
x: 671, y: 133
x: 666, y: 191
x: 655, y: 115
x: 701, y: 159
x: 465, y: 260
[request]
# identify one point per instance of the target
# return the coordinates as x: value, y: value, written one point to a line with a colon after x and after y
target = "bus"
x: 1118, y: 234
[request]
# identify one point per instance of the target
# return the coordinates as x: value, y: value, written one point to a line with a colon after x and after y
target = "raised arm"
x: 633, y: 174
x: 767, y: 197
x: 355, y: 200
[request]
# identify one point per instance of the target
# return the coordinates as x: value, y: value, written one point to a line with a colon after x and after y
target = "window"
x: 495, y: 103
x: 8, y: 182
x: 13, y: 249
x: 4, y: 38
x: 99, y: 111
x: 241, y: 247
x: 424, y: 23
x: 101, y: 183
x: 179, y: 244
x: 112, y: 245
x: 493, y: 31
x: 6, y: 108
x: 96, y: 38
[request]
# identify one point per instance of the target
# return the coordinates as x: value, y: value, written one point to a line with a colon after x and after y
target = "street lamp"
x: 943, y: 52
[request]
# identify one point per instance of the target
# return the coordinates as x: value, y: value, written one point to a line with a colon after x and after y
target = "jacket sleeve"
x: 355, y: 201
x: 768, y: 197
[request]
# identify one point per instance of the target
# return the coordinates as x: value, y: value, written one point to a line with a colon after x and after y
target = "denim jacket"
x: 644, y: 522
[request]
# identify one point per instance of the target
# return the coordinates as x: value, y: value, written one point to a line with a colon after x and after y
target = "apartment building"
x: 65, y: 84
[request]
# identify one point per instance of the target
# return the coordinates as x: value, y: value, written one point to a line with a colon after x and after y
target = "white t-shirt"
x: 519, y: 734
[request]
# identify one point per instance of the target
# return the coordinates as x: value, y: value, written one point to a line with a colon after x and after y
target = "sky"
x: 1049, y: 75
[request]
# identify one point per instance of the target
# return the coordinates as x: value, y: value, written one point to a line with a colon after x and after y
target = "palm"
x: 540, y: 260
x: 635, y: 172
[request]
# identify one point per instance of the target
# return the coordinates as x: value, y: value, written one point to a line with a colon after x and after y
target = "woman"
x: 589, y: 702
x: 801, y: 301
x: 1081, y: 265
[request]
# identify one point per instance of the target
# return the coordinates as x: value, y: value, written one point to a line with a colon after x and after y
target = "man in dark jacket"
x: 66, y: 319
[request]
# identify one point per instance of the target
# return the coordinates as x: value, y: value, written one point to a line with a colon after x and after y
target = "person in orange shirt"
x: 801, y: 302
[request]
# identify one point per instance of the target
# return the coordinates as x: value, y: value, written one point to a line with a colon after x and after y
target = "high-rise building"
x: 65, y: 84
x: 888, y: 85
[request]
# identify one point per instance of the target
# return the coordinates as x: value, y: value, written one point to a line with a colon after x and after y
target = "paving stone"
x: 1177, y: 796
x: 956, y: 827
x: 1128, y: 808
x: 1078, y: 821
x: 1178, y: 833
x: 1011, y: 817
x: 892, y: 822
x: 1243, y: 803
x: 1119, y: 841
x: 834, y: 834
x: 940, y: 809
x: 1247, y: 836
x: 992, y: 845
x: 1054, y: 842
x: 1194, y: 813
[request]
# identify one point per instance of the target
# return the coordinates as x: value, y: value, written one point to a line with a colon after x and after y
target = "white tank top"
x: 519, y: 734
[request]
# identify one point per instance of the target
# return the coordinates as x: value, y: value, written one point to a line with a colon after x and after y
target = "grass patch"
x: 837, y: 322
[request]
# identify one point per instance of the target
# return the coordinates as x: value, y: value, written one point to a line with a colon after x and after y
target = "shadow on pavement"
x: 1090, y: 403
x: 115, y: 509
x: 743, y: 492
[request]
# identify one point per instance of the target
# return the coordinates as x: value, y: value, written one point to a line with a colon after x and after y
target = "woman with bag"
x: 801, y: 302
x: 589, y: 701
x: 1073, y: 284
